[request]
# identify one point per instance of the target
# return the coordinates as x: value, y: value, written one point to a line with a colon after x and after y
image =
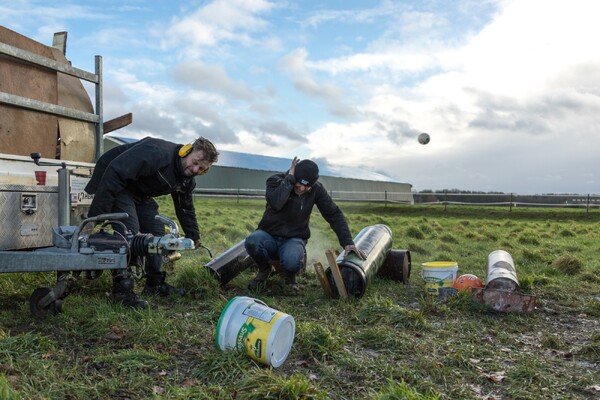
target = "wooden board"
x: 337, y: 276
x: 323, y: 279
x: 117, y: 123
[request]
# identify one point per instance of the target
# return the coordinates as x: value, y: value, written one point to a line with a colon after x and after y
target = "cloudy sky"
x: 509, y: 90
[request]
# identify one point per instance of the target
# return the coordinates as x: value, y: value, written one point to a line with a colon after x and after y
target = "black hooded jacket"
x: 148, y: 168
x: 288, y: 215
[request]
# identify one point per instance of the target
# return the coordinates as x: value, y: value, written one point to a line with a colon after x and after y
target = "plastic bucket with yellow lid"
x: 437, y: 274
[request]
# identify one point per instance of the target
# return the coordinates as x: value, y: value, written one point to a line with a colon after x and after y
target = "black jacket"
x: 288, y: 215
x: 148, y: 168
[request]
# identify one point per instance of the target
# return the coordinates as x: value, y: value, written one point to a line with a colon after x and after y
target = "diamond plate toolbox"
x: 28, y: 213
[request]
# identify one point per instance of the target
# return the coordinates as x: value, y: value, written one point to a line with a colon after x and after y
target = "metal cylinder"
x: 231, y: 263
x: 501, y: 272
x: 64, y: 196
x: 396, y: 266
x: 375, y: 241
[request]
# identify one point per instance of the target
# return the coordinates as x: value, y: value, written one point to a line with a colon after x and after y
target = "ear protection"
x: 185, y: 150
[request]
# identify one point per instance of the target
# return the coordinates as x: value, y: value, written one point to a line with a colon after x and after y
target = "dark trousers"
x: 141, y: 219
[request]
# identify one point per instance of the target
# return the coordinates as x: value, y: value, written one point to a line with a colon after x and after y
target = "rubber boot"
x: 156, y: 285
x: 290, y: 280
x: 122, y: 292
x: 264, y: 270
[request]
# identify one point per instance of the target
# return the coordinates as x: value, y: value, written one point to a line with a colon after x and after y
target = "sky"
x: 508, y: 90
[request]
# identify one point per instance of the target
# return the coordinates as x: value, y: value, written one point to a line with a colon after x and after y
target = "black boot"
x: 260, y: 279
x: 290, y: 280
x: 156, y: 285
x: 122, y: 292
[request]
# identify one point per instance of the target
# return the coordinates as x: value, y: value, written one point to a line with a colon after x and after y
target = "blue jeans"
x: 264, y: 248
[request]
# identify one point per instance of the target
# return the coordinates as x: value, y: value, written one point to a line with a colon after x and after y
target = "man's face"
x: 300, y: 189
x: 195, y: 164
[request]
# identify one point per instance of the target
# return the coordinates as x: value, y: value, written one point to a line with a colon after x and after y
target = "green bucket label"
x: 257, y: 348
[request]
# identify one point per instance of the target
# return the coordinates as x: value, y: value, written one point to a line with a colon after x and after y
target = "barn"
x: 243, y: 174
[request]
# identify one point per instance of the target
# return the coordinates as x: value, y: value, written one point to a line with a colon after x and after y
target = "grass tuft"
x: 568, y: 264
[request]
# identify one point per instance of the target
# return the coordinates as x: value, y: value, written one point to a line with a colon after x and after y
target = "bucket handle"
x: 260, y: 302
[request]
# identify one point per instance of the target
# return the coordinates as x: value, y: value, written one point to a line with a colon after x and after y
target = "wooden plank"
x: 118, y: 123
x: 337, y: 276
x: 323, y: 279
x: 60, y: 41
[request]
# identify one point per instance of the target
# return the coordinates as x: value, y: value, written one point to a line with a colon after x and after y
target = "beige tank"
x: 23, y: 131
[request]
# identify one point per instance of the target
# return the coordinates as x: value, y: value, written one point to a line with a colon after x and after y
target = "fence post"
x: 385, y: 196
x: 511, y: 203
x: 587, y: 206
x: 238, y: 195
x: 445, y: 200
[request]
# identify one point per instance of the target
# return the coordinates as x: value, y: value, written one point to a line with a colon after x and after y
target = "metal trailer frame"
x: 72, y: 254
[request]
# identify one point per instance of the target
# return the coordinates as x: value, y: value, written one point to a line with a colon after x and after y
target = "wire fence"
x: 446, y: 198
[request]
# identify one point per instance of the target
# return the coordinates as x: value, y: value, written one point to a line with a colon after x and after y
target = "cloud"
x: 211, y: 78
x: 219, y: 20
x: 294, y: 65
x: 281, y: 129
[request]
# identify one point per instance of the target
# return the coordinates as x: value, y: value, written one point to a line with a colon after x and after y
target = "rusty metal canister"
x: 501, y: 272
x: 396, y: 266
x: 375, y: 241
x: 231, y: 263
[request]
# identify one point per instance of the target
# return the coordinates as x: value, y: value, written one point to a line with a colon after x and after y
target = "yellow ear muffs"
x: 185, y: 150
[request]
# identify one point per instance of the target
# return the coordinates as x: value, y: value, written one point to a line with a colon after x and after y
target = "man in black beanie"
x: 283, y: 231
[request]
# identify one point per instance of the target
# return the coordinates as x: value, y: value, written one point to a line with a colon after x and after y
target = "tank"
x: 376, y: 242
x: 231, y: 263
x: 501, y: 272
x: 396, y: 266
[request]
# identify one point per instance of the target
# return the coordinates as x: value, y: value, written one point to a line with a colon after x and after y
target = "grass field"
x: 396, y: 342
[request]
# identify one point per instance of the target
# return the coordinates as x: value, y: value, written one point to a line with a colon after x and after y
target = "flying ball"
x: 424, y: 138
x: 467, y: 282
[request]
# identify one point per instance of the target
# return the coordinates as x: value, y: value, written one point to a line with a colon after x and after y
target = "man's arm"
x: 186, y: 213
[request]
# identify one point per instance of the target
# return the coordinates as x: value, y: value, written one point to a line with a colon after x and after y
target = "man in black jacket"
x: 283, y: 231
x: 127, y: 177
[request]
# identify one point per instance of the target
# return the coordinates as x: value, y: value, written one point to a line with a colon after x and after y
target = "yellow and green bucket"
x: 437, y: 274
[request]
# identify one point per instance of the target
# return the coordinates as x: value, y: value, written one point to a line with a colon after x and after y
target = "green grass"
x: 395, y: 342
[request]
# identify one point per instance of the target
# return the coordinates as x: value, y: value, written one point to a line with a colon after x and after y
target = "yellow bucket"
x: 437, y: 274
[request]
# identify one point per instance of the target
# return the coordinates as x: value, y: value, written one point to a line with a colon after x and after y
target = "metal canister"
x: 231, y: 263
x: 396, y: 266
x: 375, y: 241
x: 501, y: 272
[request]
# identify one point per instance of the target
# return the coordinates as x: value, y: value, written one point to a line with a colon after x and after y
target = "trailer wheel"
x: 40, y: 311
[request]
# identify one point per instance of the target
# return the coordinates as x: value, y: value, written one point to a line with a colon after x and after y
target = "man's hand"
x: 293, y: 167
x: 197, y: 243
x: 353, y: 248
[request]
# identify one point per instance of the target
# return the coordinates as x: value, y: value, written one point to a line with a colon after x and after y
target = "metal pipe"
x: 64, y: 196
x: 375, y: 241
x: 501, y: 272
x: 396, y: 266
x: 231, y: 263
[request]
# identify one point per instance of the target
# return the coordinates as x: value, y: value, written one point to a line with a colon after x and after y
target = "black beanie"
x: 306, y: 172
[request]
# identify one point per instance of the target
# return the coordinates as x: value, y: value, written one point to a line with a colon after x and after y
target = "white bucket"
x: 437, y: 274
x: 264, y: 334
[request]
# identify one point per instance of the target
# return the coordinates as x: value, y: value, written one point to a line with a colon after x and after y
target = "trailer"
x: 50, y: 137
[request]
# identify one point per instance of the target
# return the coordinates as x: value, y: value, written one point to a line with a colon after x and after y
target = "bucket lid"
x: 440, y: 264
